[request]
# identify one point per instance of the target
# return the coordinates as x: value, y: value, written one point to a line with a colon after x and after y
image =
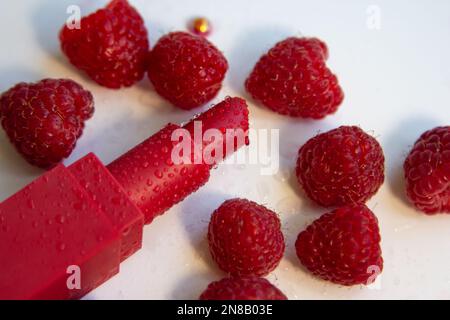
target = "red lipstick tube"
x: 68, y: 231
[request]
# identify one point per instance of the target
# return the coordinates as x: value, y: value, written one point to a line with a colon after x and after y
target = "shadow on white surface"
x: 192, y: 286
x: 48, y: 20
x: 296, y: 221
x: 15, y: 171
x: 13, y: 75
x: 249, y: 47
x: 12, y: 164
x: 12, y: 161
x: 50, y: 17
x: 195, y: 220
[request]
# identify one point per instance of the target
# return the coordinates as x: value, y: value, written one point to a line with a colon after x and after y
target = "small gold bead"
x: 201, y: 26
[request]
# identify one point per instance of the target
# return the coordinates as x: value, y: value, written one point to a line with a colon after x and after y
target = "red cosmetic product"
x: 67, y: 232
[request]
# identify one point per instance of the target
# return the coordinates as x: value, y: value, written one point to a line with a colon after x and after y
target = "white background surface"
x: 397, y: 85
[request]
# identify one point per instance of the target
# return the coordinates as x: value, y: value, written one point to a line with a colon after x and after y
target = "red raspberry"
x: 45, y: 119
x: 340, y: 167
x: 111, y: 46
x: 186, y: 69
x: 343, y: 246
x: 427, y: 172
x: 242, y: 289
x: 245, y: 238
x: 293, y: 79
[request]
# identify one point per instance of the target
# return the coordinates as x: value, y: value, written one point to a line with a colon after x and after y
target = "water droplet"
x: 61, y: 246
x: 158, y: 174
x: 283, y: 176
x: 60, y: 219
x: 31, y: 204
x: 402, y: 228
x: 79, y: 206
x: 169, y: 162
x: 287, y: 205
x: 97, y: 178
x: 126, y: 231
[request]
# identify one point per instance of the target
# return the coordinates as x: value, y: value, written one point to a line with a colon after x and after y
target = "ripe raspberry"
x: 111, y: 46
x: 242, y: 289
x: 45, y: 119
x: 343, y: 246
x: 293, y: 79
x: 245, y: 238
x: 340, y: 167
x: 427, y: 172
x: 186, y: 69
